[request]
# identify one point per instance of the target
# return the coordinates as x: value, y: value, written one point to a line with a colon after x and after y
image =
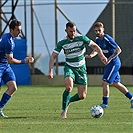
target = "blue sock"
x: 5, y: 98
x: 105, y: 99
x: 128, y: 95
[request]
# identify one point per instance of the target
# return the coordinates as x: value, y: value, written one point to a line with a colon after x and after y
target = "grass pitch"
x: 36, y: 109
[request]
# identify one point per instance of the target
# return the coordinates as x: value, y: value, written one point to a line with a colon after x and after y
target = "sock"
x: 5, y: 98
x: 74, y: 98
x: 65, y: 99
x: 128, y: 95
x: 105, y: 100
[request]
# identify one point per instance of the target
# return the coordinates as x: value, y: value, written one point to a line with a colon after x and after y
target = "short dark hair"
x: 70, y: 24
x: 14, y: 23
x: 98, y: 24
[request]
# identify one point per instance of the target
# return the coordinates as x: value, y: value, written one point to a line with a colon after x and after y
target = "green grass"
x: 36, y: 109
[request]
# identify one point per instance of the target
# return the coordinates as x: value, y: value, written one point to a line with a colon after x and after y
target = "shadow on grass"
x: 17, y: 117
x: 70, y: 117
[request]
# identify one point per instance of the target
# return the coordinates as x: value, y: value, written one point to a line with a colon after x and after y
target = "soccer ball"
x: 96, y: 111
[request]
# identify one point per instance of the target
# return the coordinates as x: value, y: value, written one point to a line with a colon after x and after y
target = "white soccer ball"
x: 96, y: 111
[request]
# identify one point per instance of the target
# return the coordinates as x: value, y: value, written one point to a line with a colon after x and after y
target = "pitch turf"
x: 36, y: 109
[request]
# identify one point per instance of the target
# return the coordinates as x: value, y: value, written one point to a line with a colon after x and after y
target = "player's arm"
x: 12, y: 60
x: 96, y: 48
x: 117, y: 52
x: 92, y: 54
x: 51, y: 64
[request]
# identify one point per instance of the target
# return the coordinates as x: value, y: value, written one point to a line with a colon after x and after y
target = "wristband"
x: 23, y: 61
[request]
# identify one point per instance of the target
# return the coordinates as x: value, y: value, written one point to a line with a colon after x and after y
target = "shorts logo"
x: 67, y: 73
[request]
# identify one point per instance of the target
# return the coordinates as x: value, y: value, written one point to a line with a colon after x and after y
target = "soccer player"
x: 74, y: 46
x: 6, y: 57
x: 111, y: 74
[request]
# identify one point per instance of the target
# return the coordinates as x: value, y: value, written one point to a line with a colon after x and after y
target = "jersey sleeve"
x: 9, y: 46
x: 58, y: 47
x: 87, y: 41
x: 111, y: 41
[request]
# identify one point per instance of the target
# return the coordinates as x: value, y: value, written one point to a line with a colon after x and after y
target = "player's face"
x: 16, y: 32
x: 71, y: 32
x: 99, y: 31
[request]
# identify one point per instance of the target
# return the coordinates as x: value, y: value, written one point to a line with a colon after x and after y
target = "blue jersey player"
x: 111, y: 74
x: 6, y: 57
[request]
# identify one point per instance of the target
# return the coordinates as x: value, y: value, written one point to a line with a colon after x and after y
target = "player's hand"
x: 87, y: 56
x: 104, y: 60
x: 29, y: 60
x: 50, y: 75
x: 109, y: 61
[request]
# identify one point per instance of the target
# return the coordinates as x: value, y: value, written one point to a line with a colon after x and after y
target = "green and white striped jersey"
x: 74, y: 50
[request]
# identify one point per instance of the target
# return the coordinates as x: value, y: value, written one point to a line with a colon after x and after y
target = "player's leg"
x: 1, y: 73
x: 124, y: 90
x: 120, y: 87
x: 11, y: 88
x: 10, y: 81
x: 66, y: 96
x: 111, y: 73
x: 66, y: 93
x: 0, y: 90
x: 82, y: 91
x: 105, y: 97
x: 68, y: 79
x: 81, y: 80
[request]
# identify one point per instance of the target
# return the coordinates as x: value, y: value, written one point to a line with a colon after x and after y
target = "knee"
x: 68, y: 88
x: 15, y: 89
x: 82, y: 97
x: 11, y: 91
x: 104, y: 84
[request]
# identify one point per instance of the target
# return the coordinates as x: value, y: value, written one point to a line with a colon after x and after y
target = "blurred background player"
x: 111, y: 74
x: 6, y: 57
x: 75, y: 68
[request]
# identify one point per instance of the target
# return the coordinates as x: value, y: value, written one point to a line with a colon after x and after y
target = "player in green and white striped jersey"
x: 74, y: 46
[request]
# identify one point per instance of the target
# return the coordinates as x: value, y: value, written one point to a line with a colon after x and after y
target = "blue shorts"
x: 6, y: 74
x: 111, y: 73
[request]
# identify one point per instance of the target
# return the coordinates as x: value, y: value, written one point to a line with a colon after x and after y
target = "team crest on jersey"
x: 104, y: 45
x: 78, y: 44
